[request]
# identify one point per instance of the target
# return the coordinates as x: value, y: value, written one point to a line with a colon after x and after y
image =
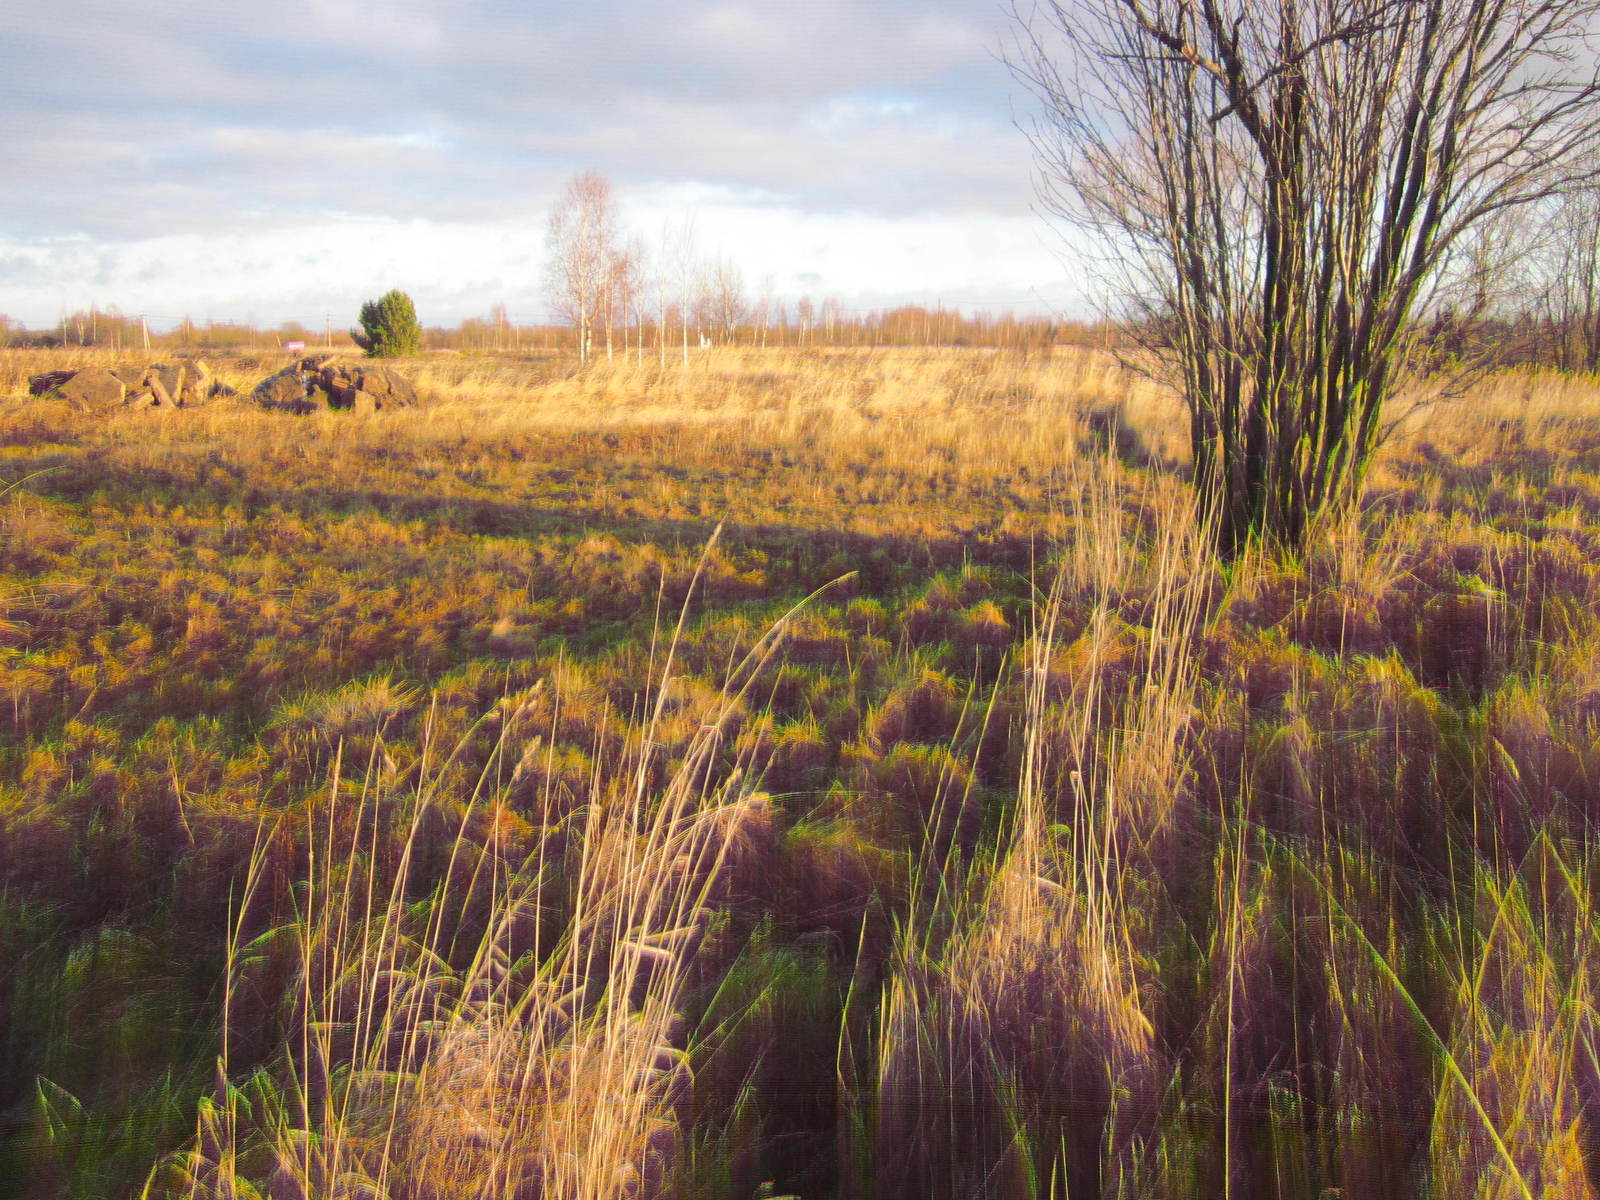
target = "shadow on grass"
x: 795, y: 557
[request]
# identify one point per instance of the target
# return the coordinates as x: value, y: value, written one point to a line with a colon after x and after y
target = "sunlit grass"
x: 1047, y: 857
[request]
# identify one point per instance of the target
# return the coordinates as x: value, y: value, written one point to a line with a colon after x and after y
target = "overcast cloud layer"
x: 271, y: 162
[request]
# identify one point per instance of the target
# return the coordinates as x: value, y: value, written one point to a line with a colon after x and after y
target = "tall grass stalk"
x: 512, y: 1030
x: 1017, y: 1051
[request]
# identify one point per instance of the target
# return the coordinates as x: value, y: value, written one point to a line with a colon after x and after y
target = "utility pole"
x: 327, y: 330
x: 144, y: 329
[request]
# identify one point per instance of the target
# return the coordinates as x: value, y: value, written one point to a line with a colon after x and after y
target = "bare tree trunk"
x: 605, y: 307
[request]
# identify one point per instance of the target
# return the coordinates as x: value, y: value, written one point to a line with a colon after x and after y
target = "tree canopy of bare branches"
x: 1281, y: 183
x: 583, y: 254
x: 723, y: 304
x: 1571, y: 284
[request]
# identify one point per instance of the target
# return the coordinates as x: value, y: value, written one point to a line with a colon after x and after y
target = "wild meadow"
x: 840, y: 773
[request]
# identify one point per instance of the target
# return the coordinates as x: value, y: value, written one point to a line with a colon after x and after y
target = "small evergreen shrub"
x: 389, y: 326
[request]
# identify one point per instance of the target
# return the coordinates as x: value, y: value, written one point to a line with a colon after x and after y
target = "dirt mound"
x: 314, y: 383
x: 97, y: 389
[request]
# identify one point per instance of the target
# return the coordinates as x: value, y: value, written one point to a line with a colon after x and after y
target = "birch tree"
x: 676, y: 282
x: 582, y: 249
x: 723, y: 301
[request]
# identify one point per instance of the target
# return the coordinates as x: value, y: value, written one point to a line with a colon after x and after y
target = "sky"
x: 266, y: 162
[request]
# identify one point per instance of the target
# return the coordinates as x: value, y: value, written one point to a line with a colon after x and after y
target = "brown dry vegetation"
x: 430, y: 770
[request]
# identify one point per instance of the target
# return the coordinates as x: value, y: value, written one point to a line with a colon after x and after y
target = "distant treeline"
x: 1524, y: 339
x: 768, y: 324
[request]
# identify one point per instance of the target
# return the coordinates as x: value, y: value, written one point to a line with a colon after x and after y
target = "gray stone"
x: 93, y: 389
x: 170, y: 379
x: 49, y: 381
x: 196, y: 388
x: 198, y: 385
x: 341, y: 393
x: 392, y: 385
x: 375, y: 381
x: 319, y: 382
x: 285, y: 390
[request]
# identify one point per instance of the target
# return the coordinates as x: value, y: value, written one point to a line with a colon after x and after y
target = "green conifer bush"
x: 389, y: 326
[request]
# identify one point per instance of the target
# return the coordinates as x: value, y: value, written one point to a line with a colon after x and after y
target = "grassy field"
x: 833, y: 775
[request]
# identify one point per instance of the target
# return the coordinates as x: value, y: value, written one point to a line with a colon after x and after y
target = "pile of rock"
x: 94, y: 389
x: 314, y: 383
x: 310, y: 384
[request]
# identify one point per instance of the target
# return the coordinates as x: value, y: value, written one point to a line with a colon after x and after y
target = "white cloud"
x: 223, y: 139
x: 457, y: 270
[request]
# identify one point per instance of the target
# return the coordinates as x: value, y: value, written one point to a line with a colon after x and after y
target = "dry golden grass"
x: 1053, y: 858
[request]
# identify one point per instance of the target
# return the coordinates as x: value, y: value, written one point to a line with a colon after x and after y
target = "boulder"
x: 196, y: 390
x: 323, y: 381
x: 158, y: 385
x: 200, y: 386
x: 147, y: 385
x: 285, y: 390
x: 171, y: 380
x: 92, y: 390
x: 49, y: 381
x: 395, y: 388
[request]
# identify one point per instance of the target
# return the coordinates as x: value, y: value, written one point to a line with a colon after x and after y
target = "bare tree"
x: 763, y: 312
x: 582, y: 240
x: 619, y: 290
x: 1571, y: 283
x: 832, y: 317
x: 806, y: 314
x: 629, y: 283
x: 724, y: 307
x: 676, y: 281
x: 502, y: 326
x: 1280, y: 183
